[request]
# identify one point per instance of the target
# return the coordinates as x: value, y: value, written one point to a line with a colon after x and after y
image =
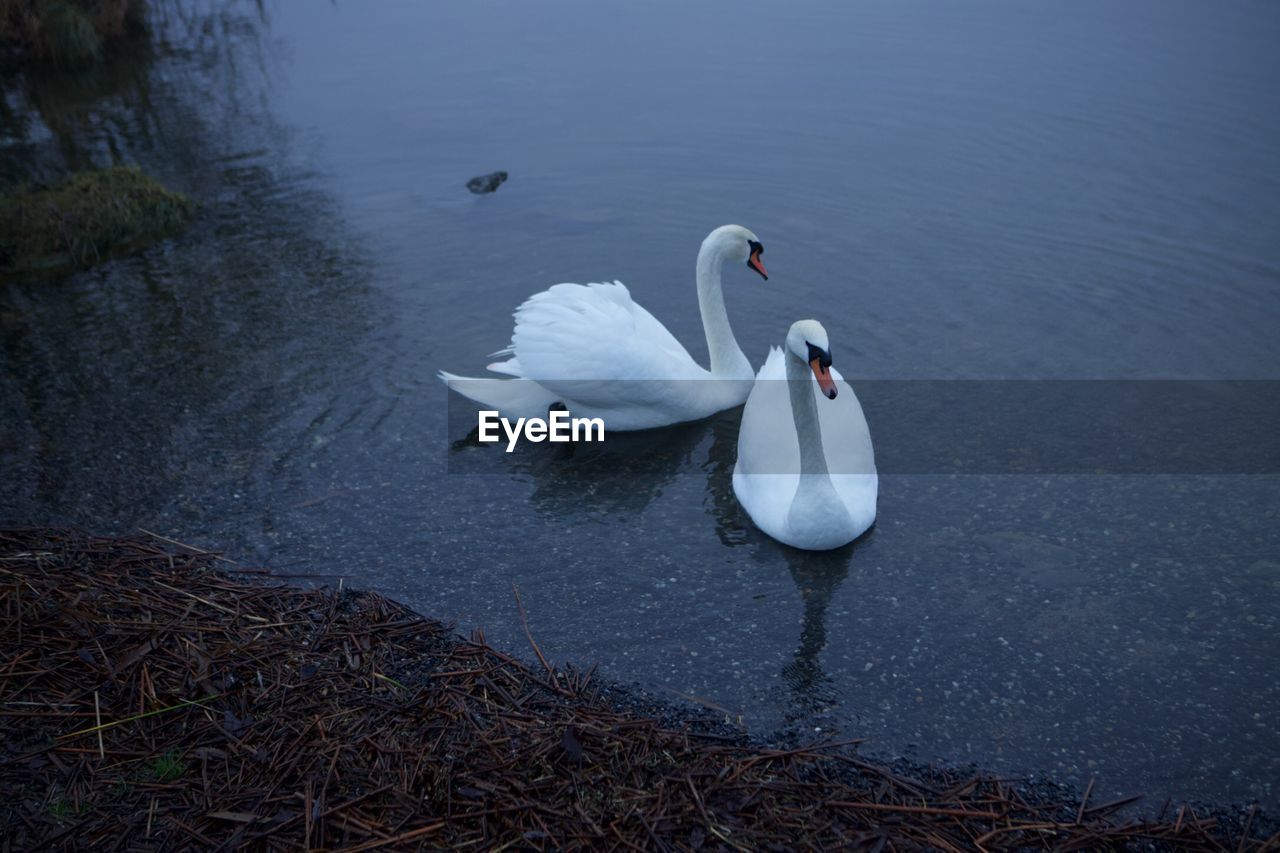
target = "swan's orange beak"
x: 756, y: 264
x: 823, y: 375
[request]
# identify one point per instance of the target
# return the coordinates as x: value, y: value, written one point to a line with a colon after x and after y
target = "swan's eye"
x: 756, y: 247
x: 818, y: 354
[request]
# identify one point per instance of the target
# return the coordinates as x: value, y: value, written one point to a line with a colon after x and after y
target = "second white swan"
x: 806, y: 471
x: 595, y: 351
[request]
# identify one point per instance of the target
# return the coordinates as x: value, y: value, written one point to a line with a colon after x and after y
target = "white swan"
x: 573, y: 344
x: 806, y: 472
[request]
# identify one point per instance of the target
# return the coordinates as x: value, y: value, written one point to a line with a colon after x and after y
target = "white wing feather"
x: 592, y: 346
x: 572, y: 332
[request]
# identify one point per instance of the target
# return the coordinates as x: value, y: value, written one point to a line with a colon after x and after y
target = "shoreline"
x: 158, y: 694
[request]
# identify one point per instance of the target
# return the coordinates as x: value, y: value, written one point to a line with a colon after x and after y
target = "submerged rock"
x: 486, y: 183
x: 85, y: 218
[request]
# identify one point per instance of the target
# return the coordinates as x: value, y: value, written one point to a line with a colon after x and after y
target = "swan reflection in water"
x: 617, y: 477
x: 625, y: 474
x: 817, y: 576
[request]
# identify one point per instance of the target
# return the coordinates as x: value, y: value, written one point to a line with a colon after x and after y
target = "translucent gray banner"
x: 939, y: 427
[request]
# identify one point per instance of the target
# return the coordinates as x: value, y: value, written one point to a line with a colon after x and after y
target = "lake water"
x: 990, y: 190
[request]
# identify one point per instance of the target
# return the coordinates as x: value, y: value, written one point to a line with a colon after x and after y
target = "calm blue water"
x: 977, y: 191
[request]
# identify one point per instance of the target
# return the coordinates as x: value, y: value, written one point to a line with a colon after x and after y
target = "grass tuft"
x: 69, y: 33
x: 61, y: 809
x: 167, y: 767
x: 84, y: 218
x: 70, y: 38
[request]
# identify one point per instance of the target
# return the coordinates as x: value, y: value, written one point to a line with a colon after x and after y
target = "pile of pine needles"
x: 153, y: 697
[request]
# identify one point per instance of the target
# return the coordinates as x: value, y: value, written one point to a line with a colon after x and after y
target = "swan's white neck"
x: 727, y: 358
x: 804, y: 411
x: 816, y: 508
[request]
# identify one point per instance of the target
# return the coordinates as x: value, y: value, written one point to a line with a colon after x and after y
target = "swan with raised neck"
x: 573, y: 342
x: 726, y: 243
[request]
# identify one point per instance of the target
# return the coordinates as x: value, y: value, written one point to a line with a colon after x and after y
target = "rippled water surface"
x: 963, y: 191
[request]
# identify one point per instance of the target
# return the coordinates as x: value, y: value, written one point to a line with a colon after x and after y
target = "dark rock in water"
x: 486, y: 183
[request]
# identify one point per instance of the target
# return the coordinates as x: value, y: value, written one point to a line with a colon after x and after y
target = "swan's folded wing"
x: 846, y: 439
x: 580, y: 341
x: 774, y: 367
x: 767, y: 441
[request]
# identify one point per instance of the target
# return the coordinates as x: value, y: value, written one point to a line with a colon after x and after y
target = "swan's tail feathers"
x: 514, y: 398
x: 510, y: 367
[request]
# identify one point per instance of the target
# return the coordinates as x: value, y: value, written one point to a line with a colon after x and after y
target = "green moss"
x: 61, y: 809
x: 168, y: 767
x: 84, y: 218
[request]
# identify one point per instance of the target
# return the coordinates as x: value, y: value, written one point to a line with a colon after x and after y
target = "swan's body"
x: 806, y: 470
x: 594, y: 350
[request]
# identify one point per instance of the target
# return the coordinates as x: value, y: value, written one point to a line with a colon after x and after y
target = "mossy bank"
x: 85, y: 218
